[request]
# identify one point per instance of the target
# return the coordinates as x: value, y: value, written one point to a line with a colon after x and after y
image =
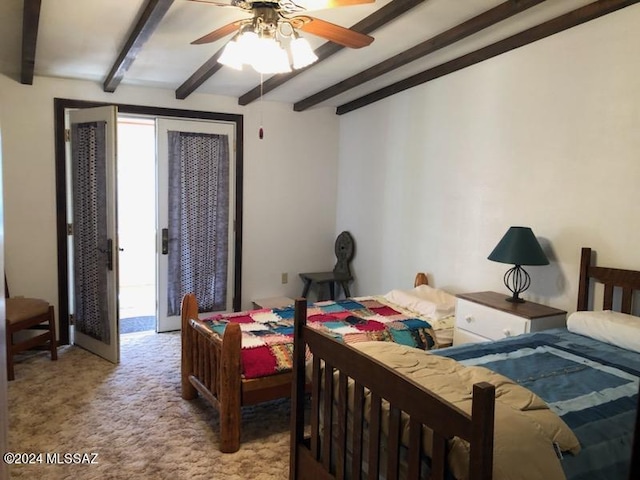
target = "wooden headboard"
x: 421, y: 279
x: 627, y: 281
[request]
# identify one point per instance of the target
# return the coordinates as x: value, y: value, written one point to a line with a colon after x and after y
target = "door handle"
x: 110, y: 254
x: 165, y: 241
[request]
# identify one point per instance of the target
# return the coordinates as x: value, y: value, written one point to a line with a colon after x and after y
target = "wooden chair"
x: 341, y: 273
x: 25, y: 314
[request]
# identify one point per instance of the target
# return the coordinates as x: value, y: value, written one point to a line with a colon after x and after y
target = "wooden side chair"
x: 28, y: 314
x: 341, y: 273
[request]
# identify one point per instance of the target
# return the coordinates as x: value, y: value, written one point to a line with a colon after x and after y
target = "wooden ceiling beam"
x: 564, y: 22
x: 200, y: 76
x: 444, y: 39
x: 30, y: 22
x: 377, y: 19
x: 151, y: 17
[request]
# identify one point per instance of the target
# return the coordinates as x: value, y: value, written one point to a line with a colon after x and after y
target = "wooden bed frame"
x: 320, y: 455
x: 627, y: 281
x: 211, y: 366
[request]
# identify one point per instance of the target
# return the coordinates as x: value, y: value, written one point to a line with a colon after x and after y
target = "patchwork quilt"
x: 267, y: 334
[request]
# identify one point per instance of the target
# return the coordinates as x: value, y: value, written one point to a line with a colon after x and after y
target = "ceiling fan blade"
x: 322, y: 4
x: 219, y: 33
x: 229, y: 3
x: 335, y: 33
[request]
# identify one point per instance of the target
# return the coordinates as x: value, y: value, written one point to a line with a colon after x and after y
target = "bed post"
x: 421, y: 279
x: 634, y: 469
x: 188, y: 310
x: 583, y: 283
x: 297, y: 386
x: 230, y: 389
x: 483, y: 418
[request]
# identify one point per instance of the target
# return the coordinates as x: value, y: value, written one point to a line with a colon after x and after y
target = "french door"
x: 196, y: 211
x: 232, y: 127
x: 92, y: 233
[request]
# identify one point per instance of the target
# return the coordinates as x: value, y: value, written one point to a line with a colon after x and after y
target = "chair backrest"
x: 345, y: 250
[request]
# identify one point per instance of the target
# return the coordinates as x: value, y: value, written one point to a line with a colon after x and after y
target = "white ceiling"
x: 82, y: 40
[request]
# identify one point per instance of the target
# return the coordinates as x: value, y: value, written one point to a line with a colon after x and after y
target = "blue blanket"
x: 593, y: 386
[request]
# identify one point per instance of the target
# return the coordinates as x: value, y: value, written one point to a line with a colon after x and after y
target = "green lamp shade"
x: 519, y: 246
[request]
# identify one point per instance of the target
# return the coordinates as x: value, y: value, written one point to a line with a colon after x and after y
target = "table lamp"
x: 518, y: 246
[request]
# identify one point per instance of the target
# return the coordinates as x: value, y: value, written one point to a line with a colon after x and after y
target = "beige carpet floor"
x: 132, y: 416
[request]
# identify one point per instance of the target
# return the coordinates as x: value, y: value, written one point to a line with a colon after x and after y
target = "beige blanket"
x: 525, y: 428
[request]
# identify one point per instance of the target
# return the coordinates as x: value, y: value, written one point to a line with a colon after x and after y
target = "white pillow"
x: 444, y: 300
x: 424, y: 300
x: 607, y: 326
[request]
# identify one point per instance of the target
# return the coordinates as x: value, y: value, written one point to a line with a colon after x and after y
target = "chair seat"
x: 325, y: 277
x: 21, y: 308
x: 24, y: 313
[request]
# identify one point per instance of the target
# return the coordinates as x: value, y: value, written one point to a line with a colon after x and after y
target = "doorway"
x: 174, y: 177
x: 61, y: 107
x: 136, y: 224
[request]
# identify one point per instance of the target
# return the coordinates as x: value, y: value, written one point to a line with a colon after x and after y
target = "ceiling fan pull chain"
x: 261, y: 131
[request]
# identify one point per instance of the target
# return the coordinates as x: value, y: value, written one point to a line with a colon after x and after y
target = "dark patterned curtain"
x: 198, y: 219
x: 88, y: 156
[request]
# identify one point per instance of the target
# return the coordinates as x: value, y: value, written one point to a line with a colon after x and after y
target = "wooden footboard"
x: 322, y: 455
x: 212, y: 367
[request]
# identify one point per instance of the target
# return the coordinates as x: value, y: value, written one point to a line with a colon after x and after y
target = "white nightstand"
x: 485, y: 316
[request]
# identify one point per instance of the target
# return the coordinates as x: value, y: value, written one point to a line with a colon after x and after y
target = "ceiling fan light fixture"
x: 269, y: 57
x: 269, y: 41
x: 260, y: 45
x: 248, y: 42
x: 231, y: 56
x: 301, y: 52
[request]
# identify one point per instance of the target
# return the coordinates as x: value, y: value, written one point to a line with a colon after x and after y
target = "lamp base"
x: 517, y: 280
x: 515, y: 299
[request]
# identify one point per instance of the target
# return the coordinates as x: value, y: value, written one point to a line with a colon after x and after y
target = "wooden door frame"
x: 60, y: 105
x: 4, y: 396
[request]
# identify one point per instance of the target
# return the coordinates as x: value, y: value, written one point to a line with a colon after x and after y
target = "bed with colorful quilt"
x: 558, y: 404
x: 244, y: 358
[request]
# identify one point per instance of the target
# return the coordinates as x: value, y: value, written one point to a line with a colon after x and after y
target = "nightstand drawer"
x: 488, y: 316
x: 460, y: 337
x: 488, y: 322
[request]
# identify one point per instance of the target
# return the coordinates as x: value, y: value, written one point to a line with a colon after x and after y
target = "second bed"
x: 245, y: 358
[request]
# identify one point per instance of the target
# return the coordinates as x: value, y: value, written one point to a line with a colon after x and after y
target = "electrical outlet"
x: 285, y: 278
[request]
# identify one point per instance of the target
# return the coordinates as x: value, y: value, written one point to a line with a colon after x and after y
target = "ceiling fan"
x: 260, y: 39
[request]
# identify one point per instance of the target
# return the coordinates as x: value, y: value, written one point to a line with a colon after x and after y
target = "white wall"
x: 289, y: 179
x: 546, y: 136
